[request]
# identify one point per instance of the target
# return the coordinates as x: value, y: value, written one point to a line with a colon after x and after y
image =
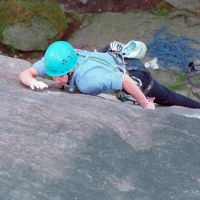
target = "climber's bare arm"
x: 27, y: 77
x: 131, y: 88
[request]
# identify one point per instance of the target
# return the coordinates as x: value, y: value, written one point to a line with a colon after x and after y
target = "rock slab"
x: 192, y: 5
x: 57, y: 146
x: 100, y: 29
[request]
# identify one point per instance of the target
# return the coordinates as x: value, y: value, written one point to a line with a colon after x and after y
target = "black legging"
x: 164, y: 96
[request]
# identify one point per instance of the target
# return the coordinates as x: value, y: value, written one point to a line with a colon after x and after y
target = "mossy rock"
x: 176, y: 81
x: 30, y: 36
x: 15, y: 11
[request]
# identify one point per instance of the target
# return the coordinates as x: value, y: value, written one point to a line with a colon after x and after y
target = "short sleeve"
x: 40, y: 67
x: 100, y: 84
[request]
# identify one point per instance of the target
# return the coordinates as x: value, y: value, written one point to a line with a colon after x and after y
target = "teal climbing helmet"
x: 60, y: 58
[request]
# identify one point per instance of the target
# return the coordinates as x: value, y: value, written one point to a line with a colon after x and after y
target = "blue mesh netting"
x: 172, y: 50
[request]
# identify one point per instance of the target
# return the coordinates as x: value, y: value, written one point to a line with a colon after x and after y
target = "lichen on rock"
x: 15, y: 12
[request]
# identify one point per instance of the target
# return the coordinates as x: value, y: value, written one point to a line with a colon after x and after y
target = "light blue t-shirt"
x: 94, y: 73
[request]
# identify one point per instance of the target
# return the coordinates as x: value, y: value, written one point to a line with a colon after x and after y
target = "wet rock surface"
x: 56, y: 146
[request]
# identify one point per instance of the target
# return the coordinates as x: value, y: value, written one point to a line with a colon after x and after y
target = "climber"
x: 111, y: 69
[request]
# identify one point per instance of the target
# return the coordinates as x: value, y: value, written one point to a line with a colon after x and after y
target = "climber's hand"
x: 38, y: 85
x: 150, y: 106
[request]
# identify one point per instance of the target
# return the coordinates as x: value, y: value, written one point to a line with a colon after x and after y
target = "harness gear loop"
x: 119, y: 59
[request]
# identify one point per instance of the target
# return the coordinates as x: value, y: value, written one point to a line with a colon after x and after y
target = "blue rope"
x: 172, y: 50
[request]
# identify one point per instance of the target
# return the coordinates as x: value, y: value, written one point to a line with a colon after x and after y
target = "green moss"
x: 180, y: 83
x: 14, y: 11
x: 162, y: 9
x: 51, y: 11
x: 37, y: 54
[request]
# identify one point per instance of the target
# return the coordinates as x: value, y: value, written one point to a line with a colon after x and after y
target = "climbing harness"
x: 122, y: 95
x: 121, y: 65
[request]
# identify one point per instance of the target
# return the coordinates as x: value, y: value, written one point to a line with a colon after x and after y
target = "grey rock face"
x: 57, y: 146
x: 29, y: 36
x: 192, y: 5
x: 99, y: 29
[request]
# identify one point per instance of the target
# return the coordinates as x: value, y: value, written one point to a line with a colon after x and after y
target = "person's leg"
x: 164, y: 96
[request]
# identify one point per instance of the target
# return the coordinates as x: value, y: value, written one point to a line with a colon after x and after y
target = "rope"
x: 172, y: 50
